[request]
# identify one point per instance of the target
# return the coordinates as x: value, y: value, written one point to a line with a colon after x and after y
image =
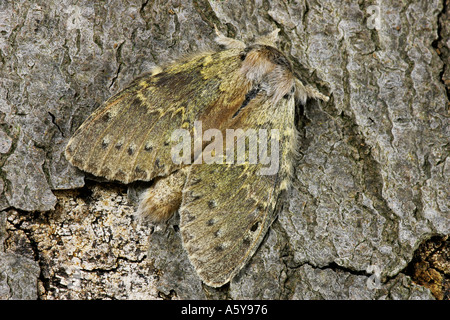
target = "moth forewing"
x: 128, y: 137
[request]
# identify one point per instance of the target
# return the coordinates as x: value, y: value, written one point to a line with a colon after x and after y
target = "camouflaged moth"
x: 225, y: 208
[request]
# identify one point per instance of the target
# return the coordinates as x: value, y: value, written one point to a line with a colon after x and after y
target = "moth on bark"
x: 225, y: 207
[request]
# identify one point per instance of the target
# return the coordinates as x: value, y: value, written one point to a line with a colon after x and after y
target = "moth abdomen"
x: 159, y: 202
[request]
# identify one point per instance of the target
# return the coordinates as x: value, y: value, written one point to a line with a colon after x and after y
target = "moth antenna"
x: 303, y: 92
x: 316, y: 94
x: 229, y: 43
x: 269, y: 39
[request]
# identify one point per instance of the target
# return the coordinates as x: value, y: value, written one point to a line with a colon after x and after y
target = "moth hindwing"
x: 226, y: 205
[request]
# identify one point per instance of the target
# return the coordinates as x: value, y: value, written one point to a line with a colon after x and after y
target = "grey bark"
x: 371, y: 183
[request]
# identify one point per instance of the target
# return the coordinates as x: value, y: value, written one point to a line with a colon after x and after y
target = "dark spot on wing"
x: 254, y: 227
x: 148, y: 148
x: 106, y: 117
x: 138, y: 105
x: 158, y: 163
x: 139, y: 173
x: 120, y: 175
x: 212, y: 204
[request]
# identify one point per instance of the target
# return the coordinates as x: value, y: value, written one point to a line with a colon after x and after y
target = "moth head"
x: 268, y: 68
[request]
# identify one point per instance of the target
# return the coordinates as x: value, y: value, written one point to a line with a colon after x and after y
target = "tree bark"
x: 370, y: 186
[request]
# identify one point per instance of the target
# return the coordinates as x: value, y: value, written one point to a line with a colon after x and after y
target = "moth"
x: 227, y: 207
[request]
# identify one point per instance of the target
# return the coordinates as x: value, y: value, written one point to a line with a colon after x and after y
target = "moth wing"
x: 129, y: 137
x: 227, y: 208
x: 223, y: 221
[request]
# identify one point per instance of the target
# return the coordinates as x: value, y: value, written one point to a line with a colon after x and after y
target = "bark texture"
x: 371, y: 185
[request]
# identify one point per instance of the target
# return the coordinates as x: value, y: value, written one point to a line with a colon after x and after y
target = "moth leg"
x: 159, y: 202
x: 303, y: 92
x: 229, y: 43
